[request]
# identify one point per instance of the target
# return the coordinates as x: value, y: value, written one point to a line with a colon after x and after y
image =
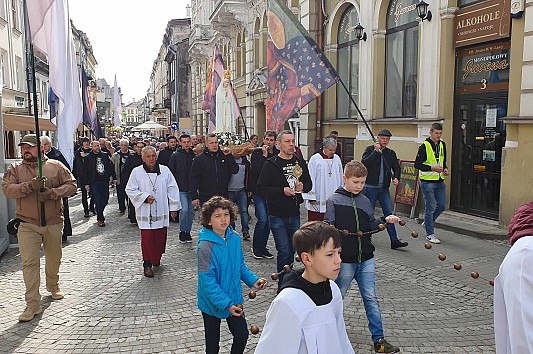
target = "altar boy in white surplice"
x: 325, y: 169
x: 154, y: 192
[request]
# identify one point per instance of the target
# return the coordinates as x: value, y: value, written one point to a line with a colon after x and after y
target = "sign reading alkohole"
x: 484, y: 22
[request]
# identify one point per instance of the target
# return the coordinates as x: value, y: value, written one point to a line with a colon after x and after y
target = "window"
x: 19, y: 73
x: 44, y: 95
x: 15, y: 13
x: 401, y: 60
x: 5, y: 67
x: 3, y: 9
x: 348, y: 64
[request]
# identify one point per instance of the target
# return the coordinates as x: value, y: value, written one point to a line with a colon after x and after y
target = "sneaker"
x: 397, y: 244
x: 382, y: 346
x: 29, y: 313
x: 246, y: 236
x: 188, y: 237
x: 432, y: 239
x: 183, y: 237
x: 257, y: 254
x: 423, y: 224
x: 267, y: 254
x: 57, y: 294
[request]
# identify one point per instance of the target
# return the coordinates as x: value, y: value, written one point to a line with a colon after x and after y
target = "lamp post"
x: 422, y: 10
x: 359, y: 32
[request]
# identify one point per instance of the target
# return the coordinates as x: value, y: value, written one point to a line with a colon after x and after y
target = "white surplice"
x: 326, y: 175
x: 163, y: 187
x: 513, y: 300
x: 295, y: 325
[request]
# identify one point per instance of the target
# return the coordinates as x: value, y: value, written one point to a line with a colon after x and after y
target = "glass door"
x: 479, y: 136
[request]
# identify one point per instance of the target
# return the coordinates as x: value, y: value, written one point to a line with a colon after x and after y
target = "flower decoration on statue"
x: 227, y: 139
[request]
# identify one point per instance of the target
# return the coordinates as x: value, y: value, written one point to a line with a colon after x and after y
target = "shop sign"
x: 484, y: 22
x: 483, y: 69
x: 401, y: 12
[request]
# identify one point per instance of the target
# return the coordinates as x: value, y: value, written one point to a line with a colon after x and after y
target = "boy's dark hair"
x: 253, y: 136
x: 355, y: 169
x: 436, y: 126
x: 314, y: 235
x: 213, y: 204
x: 184, y: 136
x: 171, y: 137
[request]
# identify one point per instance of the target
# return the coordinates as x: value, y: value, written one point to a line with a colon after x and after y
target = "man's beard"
x: 31, y: 158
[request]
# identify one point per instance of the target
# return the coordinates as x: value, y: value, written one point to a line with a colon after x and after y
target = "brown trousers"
x: 31, y: 237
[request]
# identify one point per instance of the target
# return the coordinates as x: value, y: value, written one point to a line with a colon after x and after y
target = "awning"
x: 15, y: 122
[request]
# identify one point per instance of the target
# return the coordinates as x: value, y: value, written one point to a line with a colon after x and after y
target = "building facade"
x: 469, y: 66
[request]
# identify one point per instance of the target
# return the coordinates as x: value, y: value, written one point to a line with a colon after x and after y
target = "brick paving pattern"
x: 110, y: 307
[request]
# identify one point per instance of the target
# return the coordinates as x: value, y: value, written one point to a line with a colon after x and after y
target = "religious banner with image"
x: 407, y: 189
x: 298, y: 70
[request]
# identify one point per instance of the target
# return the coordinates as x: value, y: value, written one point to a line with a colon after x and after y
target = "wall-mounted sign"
x: 517, y: 8
x: 483, y: 69
x: 484, y: 22
x: 401, y: 12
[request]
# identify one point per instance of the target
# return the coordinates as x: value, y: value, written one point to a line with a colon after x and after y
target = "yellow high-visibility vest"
x: 432, y: 161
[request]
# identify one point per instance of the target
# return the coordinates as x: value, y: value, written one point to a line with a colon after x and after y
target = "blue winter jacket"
x: 221, y: 268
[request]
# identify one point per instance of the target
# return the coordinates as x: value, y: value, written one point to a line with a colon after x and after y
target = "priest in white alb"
x: 325, y: 169
x: 154, y: 193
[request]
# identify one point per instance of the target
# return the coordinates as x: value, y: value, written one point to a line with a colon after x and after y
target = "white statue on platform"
x: 225, y: 113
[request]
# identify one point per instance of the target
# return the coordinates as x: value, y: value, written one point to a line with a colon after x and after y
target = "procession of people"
x: 157, y: 187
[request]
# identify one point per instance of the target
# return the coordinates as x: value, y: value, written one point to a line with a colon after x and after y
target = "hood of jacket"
x: 521, y: 223
x: 207, y: 234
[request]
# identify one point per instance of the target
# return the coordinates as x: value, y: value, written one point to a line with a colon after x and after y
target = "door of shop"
x: 479, y: 136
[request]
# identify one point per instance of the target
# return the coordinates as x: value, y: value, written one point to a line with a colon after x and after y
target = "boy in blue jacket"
x: 221, y: 268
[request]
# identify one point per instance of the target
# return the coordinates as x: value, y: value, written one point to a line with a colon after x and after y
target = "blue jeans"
x: 100, y: 193
x: 262, y: 226
x: 434, y: 203
x: 241, y: 199
x: 363, y: 273
x: 186, y: 212
x: 283, y: 229
x: 383, y: 195
x: 121, y: 196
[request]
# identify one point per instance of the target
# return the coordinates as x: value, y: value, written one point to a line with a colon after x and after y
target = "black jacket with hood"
x: 210, y: 173
x: 180, y: 165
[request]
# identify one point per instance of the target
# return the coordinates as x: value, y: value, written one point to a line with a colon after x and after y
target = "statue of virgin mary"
x: 225, y: 113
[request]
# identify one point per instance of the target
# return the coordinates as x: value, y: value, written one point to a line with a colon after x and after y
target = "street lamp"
x: 422, y: 10
x: 359, y: 32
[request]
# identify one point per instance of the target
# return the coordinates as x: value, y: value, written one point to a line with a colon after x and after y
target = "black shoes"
x: 397, y: 244
x: 267, y: 254
x: 183, y: 237
x: 246, y: 236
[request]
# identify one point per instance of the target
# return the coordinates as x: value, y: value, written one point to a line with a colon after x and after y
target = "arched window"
x: 348, y: 64
x: 401, y: 59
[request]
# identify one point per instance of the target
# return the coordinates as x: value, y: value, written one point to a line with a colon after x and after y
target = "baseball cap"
x: 385, y: 132
x: 30, y: 139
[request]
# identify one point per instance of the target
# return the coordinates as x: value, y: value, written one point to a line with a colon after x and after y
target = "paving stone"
x: 110, y: 307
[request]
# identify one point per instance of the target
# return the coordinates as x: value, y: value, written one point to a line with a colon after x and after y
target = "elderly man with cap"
x: 81, y: 172
x: 513, y: 288
x: 383, y: 168
x: 22, y: 182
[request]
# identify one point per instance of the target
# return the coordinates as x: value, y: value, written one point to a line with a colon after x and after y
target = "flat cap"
x: 385, y: 132
x: 30, y: 139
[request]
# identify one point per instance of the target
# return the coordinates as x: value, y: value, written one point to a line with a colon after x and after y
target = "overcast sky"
x: 126, y: 36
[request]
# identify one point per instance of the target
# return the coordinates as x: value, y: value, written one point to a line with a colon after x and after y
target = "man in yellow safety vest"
x: 431, y: 161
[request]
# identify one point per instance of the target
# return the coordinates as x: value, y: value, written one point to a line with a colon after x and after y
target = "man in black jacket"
x: 383, y: 167
x: 210, y: 172
x: 101, y: 176
x: 164, y: 155
x: 134, y: 160
x: 180, y: 165
x: 262, y: 226
x: 54, y: 154
x: 81, y: 173
x: 282, y: 187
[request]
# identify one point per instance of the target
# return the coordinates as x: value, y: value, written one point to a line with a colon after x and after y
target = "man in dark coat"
x: 81, y: 173
x: 164, y: 155
x: 134, y: 160
x: 180, y: 165
x: 210, y: 172
x: 101, y: 176
x: 54, y: 154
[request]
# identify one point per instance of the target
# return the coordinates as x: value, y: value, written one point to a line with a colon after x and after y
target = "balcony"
x: 229, y: 13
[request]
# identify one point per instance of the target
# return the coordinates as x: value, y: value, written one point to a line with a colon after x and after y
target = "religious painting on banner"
x: 227, y: 105
x: 298, y: 71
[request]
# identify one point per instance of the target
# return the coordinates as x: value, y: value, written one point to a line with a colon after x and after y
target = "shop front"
x: 483, y: 52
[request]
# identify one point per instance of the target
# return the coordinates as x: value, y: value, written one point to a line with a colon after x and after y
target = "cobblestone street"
x: 109, y: 306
